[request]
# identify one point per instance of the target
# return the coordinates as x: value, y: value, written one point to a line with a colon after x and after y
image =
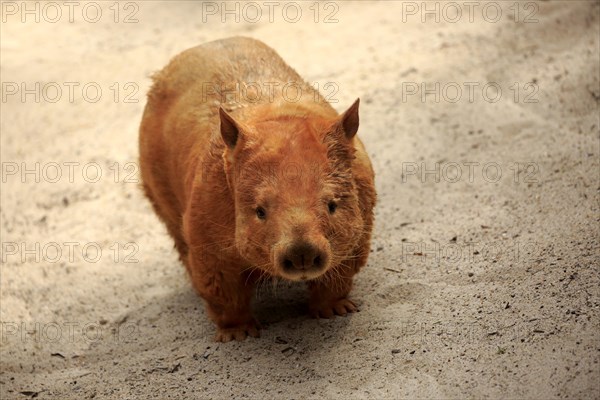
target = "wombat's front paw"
x: 335, y: 307
x: 238, y: 333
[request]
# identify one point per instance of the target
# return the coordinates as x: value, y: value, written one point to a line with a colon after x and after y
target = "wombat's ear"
x: 230, y: 130
x: 349, y: 120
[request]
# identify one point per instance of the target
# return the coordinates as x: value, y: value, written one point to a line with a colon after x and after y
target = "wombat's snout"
x: 303, y: 257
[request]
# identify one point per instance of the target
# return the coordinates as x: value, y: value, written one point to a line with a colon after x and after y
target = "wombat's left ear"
x: 349, y: 120
x: 230, y: 131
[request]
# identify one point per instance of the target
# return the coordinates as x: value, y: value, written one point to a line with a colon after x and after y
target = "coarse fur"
x: 252, y: 181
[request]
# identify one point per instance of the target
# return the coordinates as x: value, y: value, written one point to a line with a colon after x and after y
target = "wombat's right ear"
x: 349, y: 120
x: 230, y: 130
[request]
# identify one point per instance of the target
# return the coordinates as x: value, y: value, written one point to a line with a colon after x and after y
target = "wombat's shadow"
x: 277, y: 301
x: 178, y: 320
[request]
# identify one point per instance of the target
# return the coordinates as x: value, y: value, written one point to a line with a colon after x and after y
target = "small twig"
x: 392, y: 269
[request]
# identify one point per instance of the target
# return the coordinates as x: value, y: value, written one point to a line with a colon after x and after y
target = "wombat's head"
x: 297, y: 210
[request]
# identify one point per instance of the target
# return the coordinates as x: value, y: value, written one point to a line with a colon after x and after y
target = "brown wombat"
x: 255, y: 179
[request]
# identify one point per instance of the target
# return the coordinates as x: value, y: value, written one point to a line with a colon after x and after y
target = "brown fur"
x: 209, y: 163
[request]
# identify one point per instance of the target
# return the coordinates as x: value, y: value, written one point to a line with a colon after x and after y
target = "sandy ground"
x: 483, y: 279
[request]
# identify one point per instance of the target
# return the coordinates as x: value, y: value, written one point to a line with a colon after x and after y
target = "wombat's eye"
x: 261, y: 213
x: 332, y: 206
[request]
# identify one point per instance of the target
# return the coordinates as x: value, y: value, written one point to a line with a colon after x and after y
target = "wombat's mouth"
x: 302, y: 276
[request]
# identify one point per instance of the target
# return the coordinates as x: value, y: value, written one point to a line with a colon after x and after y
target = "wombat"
x: 255, y: 176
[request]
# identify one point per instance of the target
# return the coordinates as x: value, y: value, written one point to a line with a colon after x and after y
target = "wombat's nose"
x: 302, y: 257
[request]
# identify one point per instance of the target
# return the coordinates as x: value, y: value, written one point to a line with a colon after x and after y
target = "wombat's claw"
x: 339, y: 307
x: 238, y: 333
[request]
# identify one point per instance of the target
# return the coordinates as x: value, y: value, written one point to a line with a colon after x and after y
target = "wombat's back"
x: 210, y: 72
